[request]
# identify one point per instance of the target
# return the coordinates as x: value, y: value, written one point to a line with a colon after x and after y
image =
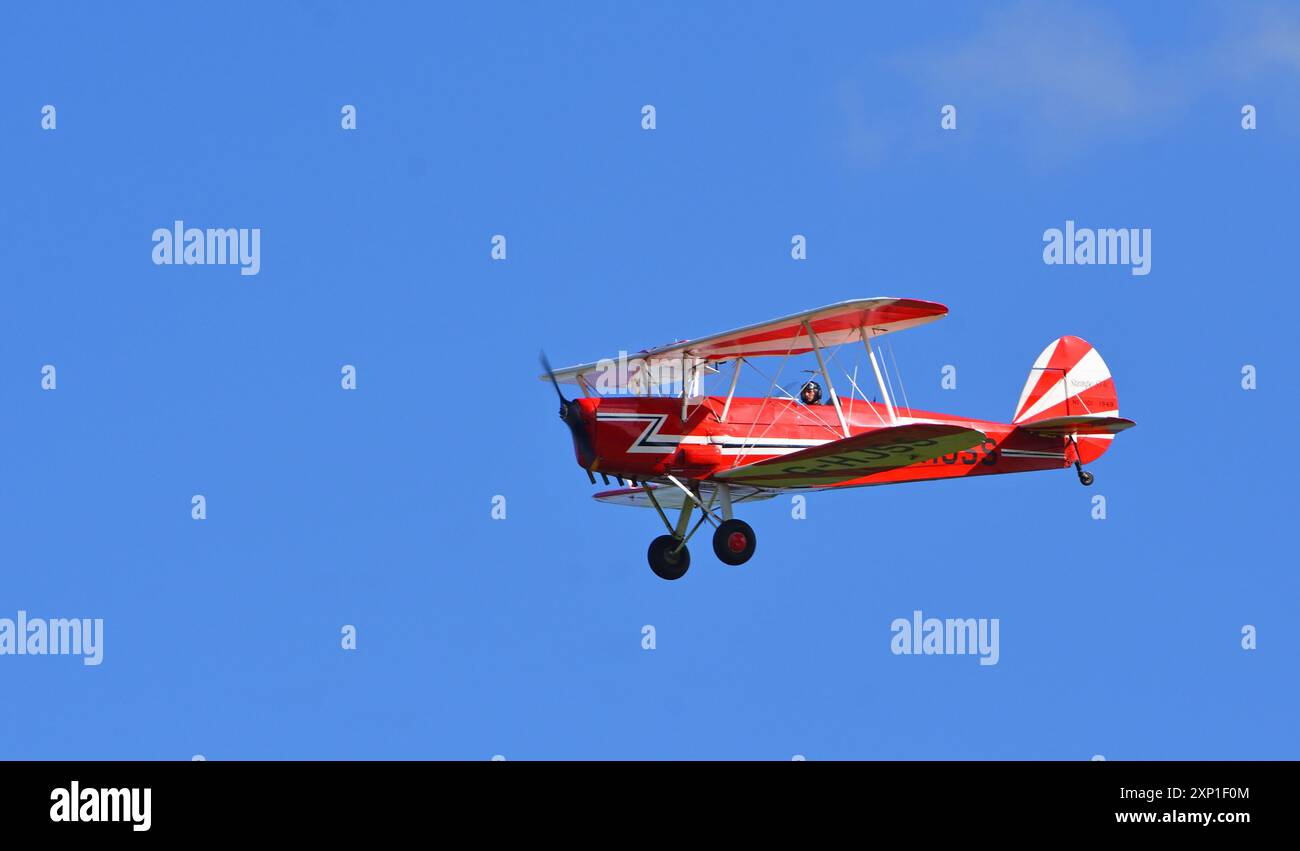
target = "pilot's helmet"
x: 816, y: 390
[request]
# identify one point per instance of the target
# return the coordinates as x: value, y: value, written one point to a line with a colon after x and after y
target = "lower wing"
x: 857, y: 456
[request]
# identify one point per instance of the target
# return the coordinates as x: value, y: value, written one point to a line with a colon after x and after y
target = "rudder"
x: 1069, y: 379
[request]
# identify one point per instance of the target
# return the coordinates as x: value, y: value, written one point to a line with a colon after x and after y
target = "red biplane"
x: 646, y: 421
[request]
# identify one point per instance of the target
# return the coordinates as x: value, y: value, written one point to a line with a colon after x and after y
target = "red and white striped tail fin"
x: 1069, y: 379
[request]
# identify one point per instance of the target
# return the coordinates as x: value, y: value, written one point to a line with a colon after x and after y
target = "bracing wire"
x: 854, y: 383
x: 899, y: 373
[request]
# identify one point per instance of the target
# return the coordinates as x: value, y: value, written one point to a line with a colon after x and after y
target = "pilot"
x: 811, y: 394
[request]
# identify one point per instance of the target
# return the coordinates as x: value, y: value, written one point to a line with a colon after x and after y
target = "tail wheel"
x: 1085, y: 478
x: 734, y: 542
x: 666, y: 560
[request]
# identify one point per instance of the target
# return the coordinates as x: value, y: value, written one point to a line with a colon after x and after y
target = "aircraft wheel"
x: 1086, y: 478
x: 734, y: 542
x: 664, y: 562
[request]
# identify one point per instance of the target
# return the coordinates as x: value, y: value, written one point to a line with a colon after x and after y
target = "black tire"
x: 1086, y: 478
x: 664, y: 562
x: 734, y: 542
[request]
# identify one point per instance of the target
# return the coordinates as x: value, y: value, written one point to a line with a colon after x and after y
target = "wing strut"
x: 731, y: 391
x: 686, y: 387
x: 826, y: 376
x: 884, y: 391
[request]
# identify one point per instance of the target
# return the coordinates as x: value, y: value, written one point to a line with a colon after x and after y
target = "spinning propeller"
x: 571, y: 413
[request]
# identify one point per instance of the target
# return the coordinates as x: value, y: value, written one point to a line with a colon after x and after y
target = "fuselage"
x: 641, y: 437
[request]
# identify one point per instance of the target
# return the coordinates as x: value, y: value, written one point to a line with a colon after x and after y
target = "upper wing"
x: 1085, y: 424
x: 672, y: 497
x: 833, y: 325
x: 857, y: 456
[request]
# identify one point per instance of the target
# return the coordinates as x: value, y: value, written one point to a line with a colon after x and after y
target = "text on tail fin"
x: 1068, y: 379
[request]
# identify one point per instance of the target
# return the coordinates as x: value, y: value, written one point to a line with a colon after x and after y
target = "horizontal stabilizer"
x: 857, y: 456
x: 1080, y: 424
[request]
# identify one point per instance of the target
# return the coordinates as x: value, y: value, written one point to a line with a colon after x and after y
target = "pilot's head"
x: 811, y: 394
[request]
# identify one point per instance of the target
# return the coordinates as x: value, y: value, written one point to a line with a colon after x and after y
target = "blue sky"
x: 522, y: 637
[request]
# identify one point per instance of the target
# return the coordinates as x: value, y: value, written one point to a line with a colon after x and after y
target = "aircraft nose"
x: 572, y: 414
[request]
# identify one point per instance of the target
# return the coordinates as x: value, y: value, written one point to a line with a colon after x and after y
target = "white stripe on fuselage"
x: 652, y: 441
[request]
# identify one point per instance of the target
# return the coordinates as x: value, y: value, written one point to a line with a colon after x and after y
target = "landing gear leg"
x: 668, y: 556
x: 1085, y: 478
